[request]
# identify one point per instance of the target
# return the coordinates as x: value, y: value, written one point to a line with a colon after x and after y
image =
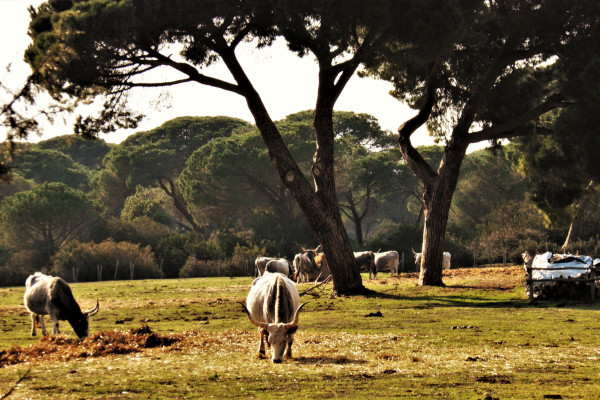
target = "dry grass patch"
x: 99, y: 344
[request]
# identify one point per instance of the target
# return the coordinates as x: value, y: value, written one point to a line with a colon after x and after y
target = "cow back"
x: 273, y: 298
x: 35, y: 298
x: 61, y: 298
x: 280, y: 265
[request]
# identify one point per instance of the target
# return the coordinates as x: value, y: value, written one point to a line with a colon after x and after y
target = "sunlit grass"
x: 476, y: 338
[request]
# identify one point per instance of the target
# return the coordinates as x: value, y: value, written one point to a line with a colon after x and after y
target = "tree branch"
x: 508, y: 129
x: 193, y: 73
x: 415, y: 161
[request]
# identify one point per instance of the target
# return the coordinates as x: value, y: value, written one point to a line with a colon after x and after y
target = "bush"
x: 241, y: 263
x: 195, y: 268
x: 106, y: 260
x: 243, y: 258
x: 10, y: 276
x: 17, y: 266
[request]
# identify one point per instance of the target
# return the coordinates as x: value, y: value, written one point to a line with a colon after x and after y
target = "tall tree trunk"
x: 359, y: 232
x: 319, y: 205
x: 355, y: 217
x: 332, y: 235
x: 434, y: 234
x: 578, y: 215
x: 438, y: 199
x: 179, y: 204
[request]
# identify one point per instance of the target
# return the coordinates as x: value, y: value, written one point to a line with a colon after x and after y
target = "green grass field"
x: 476, y: 338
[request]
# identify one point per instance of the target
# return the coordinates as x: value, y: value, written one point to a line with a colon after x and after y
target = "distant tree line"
x: 197, y: 196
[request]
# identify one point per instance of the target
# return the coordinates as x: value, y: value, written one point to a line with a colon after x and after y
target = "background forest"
x: 197, y: 196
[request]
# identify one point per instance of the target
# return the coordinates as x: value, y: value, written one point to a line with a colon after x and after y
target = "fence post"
x: 131, y: 269
x: 402, y: 268
x: 116, y: 269
x: 530, y: 283
x: 593, y: 283
x: 99, y: 272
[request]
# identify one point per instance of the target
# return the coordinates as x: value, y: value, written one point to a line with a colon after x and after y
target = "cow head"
x: 417, y: 257
x: 81, y: 323
x: 277, y: 333
x: 315, y: 256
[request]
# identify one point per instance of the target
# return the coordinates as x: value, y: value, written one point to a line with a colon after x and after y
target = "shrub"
x: 106, y: 260
x: 195, y: 268
x: 242, y: 260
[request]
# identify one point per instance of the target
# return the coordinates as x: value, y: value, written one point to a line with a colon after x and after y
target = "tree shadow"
x: 452, y: 300
x: 340, y: 360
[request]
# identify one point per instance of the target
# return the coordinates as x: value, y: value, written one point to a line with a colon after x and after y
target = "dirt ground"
x: 498, y: 277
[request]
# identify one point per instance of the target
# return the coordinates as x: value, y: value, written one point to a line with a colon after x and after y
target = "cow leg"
x: 43, y: 325
x: 33, y: 319
x: 55, y: 330
x: 288, y: 349
x: 261, y: 346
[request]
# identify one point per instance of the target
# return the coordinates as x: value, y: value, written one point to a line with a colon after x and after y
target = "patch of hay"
x: 98, y: 344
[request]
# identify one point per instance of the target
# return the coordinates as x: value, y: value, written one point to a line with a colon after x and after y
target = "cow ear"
x: 292, y: 330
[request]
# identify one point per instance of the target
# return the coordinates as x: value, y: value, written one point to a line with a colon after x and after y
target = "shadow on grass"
x: 327, y: 360
x: 469, y: 300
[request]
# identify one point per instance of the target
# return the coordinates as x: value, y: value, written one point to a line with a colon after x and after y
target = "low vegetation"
x: 476, y: 338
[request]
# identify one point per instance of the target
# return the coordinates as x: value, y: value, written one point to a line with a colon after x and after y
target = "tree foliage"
x: 88, y: 153
x: 157, y: 157
x: 46, y: 217
x: 44, y: 165
x: 525, y: 51
x: 105, y: 261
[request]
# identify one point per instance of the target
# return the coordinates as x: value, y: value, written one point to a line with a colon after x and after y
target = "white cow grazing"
x: 47, y: 295
x: 387, y: 259
x: 273, y: 304
x: 445, y: 259
x: 261, y: 263
x: 302, y: 267
x: 280, y: 265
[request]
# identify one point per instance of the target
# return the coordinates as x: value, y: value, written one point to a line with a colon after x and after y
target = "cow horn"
x: 294, y: 323
x: 318, y: 248
x: 263, y: 326
x: 93, y: 311
x: 413, y: 250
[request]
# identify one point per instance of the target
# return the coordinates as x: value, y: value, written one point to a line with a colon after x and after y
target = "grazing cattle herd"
x: 273, y: 303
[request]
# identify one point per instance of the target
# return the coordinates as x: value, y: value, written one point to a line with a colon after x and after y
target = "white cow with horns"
x: 272, y: 264
x: 446, y: 258
x: 387, y: 259
x: 48, y: 295
x: 273, y: 305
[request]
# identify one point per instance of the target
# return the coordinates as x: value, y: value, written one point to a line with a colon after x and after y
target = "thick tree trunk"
x: 437, y: 197
x: 332, y: 234
x: 340, y: 259
x: 319, y: 205
x: 434, y: 235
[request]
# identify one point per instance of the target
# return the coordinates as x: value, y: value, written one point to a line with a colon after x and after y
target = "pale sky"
x: 286, y: 83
